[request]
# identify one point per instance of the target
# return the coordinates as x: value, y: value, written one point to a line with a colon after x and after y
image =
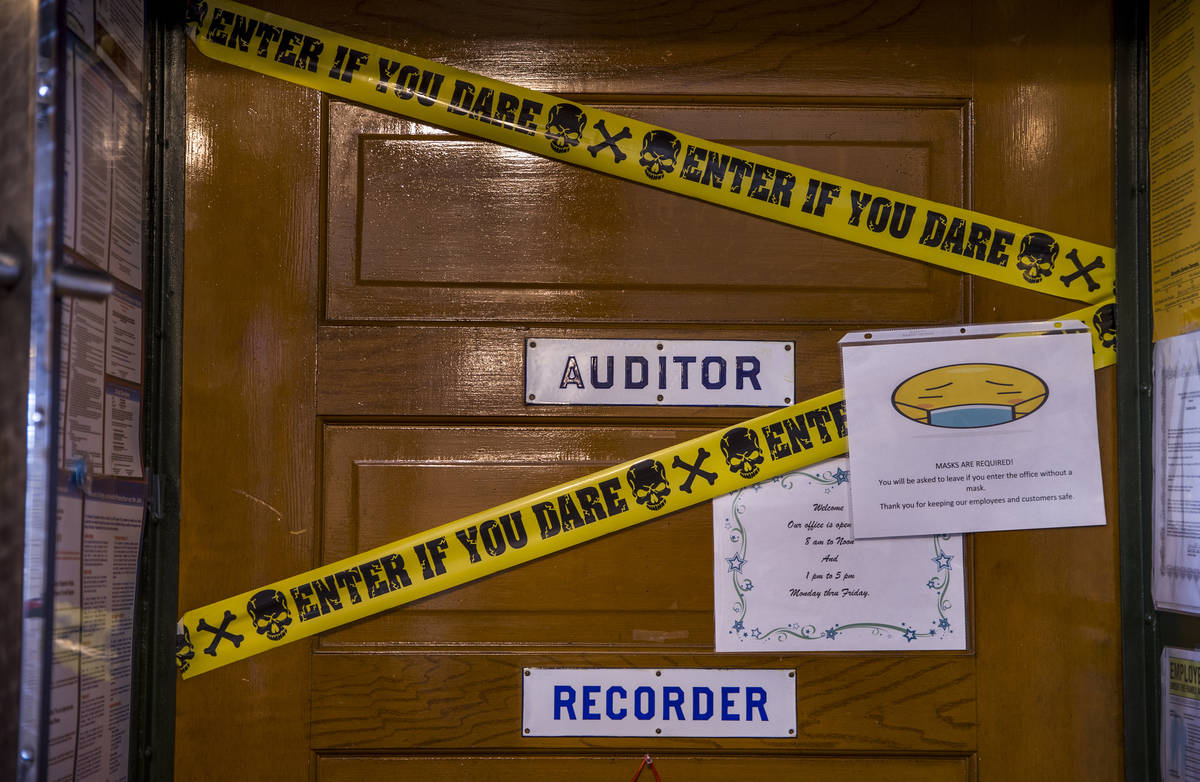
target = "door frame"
x: 1143, y: 629
x: 152, y: 720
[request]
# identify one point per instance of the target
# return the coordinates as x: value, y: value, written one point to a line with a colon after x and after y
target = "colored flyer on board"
x: 789, y: 576
x: 1173, y: 135
x: 1180, y: 718
x: 972, y: 429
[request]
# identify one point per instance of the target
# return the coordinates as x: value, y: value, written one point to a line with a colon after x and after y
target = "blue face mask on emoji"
x: 971, y: 416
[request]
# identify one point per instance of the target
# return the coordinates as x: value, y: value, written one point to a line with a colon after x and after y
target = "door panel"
x: 848, y: 703
x: 386, y: 370
x: 358, y: 290
x: 619, y: 592
x: 247, y: 505
x: 1049, y: 650
x: 427, y: 225
x: 453, y: 675
x: 700, y: 768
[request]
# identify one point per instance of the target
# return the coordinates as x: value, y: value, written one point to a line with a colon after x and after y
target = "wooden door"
x: 357, y: 292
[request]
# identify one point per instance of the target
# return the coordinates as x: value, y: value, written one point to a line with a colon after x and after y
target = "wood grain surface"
x: 358, y: 292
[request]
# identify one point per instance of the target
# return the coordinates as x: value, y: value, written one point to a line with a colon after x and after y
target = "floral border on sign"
x: 939, y: 582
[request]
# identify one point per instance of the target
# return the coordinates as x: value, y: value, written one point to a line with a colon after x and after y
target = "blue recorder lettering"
x: 666, y: 702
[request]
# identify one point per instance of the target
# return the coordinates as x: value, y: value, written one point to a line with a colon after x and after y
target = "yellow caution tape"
x: 1102, y: 318
x: 551, y: 520
x: 536, y: 122
x: 510, y: 534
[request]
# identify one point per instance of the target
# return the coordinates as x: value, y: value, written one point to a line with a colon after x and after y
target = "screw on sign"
x: 647, y: 762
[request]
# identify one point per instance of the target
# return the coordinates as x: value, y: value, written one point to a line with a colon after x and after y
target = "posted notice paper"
x: 789, y: 576
x: 1173, y: 137
x: 1180, y: 719
x: 1176, y: 448
x: 993, y: 429
x: 112, y: 533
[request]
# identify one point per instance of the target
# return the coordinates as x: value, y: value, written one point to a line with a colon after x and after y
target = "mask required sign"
x: 657, y: 702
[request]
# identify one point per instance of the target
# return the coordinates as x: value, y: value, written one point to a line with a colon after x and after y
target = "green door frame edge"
x: 1138, y: 619
x: 153, y: 715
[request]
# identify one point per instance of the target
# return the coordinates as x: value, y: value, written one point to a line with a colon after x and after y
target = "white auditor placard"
x: 685, y: 372
x: 698, y: 702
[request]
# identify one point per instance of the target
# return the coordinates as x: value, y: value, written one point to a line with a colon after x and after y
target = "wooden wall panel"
x: 1044, y: 111
x: 248, y: 458
x: 901, y: 48
x: 359, y: 288
x: 404, y: 371
x: 846, y: 703
x: 696, y: 768
x: 632, y: 590
x: 428, y: 226
x: 445, y: 671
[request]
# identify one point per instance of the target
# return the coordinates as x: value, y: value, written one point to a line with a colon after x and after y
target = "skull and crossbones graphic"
x: 694, y: 470
x: 742, y: 452
x: 660, y: 153
x: 197, y: 10
x: 269, y: 610
x: 648, y: 480
x: 564, y: 126
x: 1037, y: 256
x: 184, y: 651
x: 1105, y: 324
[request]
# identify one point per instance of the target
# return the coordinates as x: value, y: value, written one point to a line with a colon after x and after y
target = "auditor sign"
x: 743, y: 373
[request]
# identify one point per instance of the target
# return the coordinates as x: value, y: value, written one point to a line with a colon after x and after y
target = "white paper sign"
x: 93, y: 155
x: 122, y: 431
x: 112, y: 533
x: 125, y: 221
x: 84, y: 419
x: 68, y: 601
x: 1176, y: 555
x: 790, y: 578
x: 659, y: 372
x: 123, y: 356
x: 659, y: 702
x: 973, y: 434
x: 1180, y: 718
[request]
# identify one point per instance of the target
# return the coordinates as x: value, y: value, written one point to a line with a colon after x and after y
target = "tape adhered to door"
x: 536, y: 122
x: 516, y: 532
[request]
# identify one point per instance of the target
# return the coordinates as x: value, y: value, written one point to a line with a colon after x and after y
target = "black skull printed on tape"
x: 648, y: 480
x: 564, y: 126
x: 269, y: 610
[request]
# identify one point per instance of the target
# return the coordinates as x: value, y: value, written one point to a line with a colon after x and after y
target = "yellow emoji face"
x: 969, y: 396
